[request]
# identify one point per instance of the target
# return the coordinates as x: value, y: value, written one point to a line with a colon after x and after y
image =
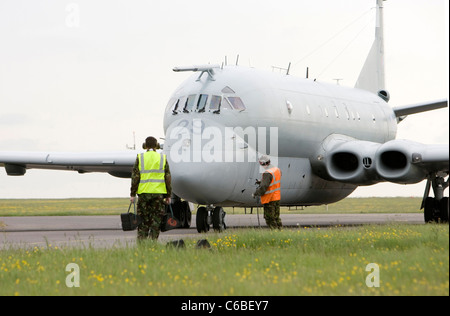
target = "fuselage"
x: 216, y: 126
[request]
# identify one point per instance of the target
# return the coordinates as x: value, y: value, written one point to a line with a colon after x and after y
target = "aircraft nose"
x: 203, y: 183
x: 199, y: 171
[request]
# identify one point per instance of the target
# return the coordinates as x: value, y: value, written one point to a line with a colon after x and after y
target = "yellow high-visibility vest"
x: 151, y: 167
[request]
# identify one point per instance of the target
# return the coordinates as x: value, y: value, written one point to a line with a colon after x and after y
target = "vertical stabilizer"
x: 371, y: 77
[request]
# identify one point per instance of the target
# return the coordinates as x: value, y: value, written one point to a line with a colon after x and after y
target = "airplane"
x: 326, y: 139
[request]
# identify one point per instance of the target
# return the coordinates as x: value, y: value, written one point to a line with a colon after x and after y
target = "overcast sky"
x: 83, y: 75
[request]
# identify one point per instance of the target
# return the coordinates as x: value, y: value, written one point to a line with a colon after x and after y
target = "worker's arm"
x: 135, y: 179
x: 168, y: 180
x: 264, y: 185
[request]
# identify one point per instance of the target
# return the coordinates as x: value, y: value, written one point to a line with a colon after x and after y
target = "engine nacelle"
x: 353, y: 162
x: 15, y: 170
x: 346, y: 160
x: 397, y: 161
x: 364, y: 163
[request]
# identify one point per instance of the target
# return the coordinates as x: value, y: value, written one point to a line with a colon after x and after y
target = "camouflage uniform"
x: 150, y: 207
x: 272, y: 214
x: 271, y: 209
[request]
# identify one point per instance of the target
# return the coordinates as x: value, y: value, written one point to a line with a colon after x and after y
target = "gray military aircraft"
x: 326, y: 139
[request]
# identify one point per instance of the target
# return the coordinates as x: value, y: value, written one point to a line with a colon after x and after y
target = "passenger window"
x: 215, y: 103
x: 202, y: 102
x: 336, y: 111
x: 347, y: 113
x: 237, y: 103
x: 189, y: 103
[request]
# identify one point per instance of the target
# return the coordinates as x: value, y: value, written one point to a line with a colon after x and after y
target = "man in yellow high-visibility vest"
x: 151, y: 181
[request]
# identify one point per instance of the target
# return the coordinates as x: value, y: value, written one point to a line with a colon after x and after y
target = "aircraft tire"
x: 217, y: 219
x: 201, y: 220
x: 187, y: 215
x: 444, y: 209
x: 429, y: 210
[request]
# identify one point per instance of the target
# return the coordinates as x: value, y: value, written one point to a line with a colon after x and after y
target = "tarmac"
x: 106, y: 231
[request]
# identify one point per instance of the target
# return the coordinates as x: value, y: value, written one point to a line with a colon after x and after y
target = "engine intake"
x: 351, y: 162
x: 396, y: 162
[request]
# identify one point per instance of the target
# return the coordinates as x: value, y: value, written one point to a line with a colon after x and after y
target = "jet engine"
x: 353, y: 162
x: 365, y: 163
x: 398, y: 161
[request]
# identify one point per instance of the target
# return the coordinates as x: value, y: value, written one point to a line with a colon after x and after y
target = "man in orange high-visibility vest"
x: 270, y: 192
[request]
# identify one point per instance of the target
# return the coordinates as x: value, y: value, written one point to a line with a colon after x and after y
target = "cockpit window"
x: 189, y: 103
x: 226, y: 104
x: 172, y: 104
x: 215, y: 103
x: 227, y: 89
x: 202, y: 102
x: 237, y: 103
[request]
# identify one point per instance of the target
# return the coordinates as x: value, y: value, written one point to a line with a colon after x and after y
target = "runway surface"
x: 105, y: 231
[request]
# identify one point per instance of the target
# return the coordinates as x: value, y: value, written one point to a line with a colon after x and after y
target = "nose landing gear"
x: 210, y: 215
x: 182, y: 210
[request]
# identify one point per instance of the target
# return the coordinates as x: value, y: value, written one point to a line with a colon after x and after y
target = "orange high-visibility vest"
x: 273, y: 193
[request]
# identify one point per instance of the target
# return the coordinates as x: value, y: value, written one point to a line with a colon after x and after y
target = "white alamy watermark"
x: 373, y: 278
x: 201, y: 143
x: 73, y: 278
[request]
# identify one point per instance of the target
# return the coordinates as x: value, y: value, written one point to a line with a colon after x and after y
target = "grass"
x: 115, y: 206
x: 63, y: 207
x: 413, y: 260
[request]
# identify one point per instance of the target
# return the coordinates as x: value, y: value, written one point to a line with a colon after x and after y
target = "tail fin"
x: 371, y: 77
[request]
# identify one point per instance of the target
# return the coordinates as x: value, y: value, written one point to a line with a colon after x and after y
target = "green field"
x: 412, y: 260
x: 115, y: 206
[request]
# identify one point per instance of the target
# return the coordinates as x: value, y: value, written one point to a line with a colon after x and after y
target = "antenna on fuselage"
x: 288, y: 69
x: 134, y: 143
x: 237, y: 59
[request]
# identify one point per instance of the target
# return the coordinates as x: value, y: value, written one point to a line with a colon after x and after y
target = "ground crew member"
x: 151, y: 181
x: 270, y: 192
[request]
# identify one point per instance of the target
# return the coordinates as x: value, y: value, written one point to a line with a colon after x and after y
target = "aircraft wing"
x: 420, y: 107
x: 118, y: 164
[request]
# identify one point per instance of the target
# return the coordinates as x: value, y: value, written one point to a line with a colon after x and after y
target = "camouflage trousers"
x: 151, y: 209
x: 272, y: 214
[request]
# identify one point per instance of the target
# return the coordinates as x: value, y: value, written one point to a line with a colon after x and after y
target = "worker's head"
x: 264, y: 160
x: 150, y: 143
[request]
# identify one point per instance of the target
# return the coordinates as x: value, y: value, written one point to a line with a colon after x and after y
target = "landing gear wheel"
x: 201, y: 220
x: 185, y: 215
x: 188, y: 211
x: 443, y: 208
x: 429, y: 210
x: 436, y: 211
x: 182, y: 211
x: 218, y: 216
